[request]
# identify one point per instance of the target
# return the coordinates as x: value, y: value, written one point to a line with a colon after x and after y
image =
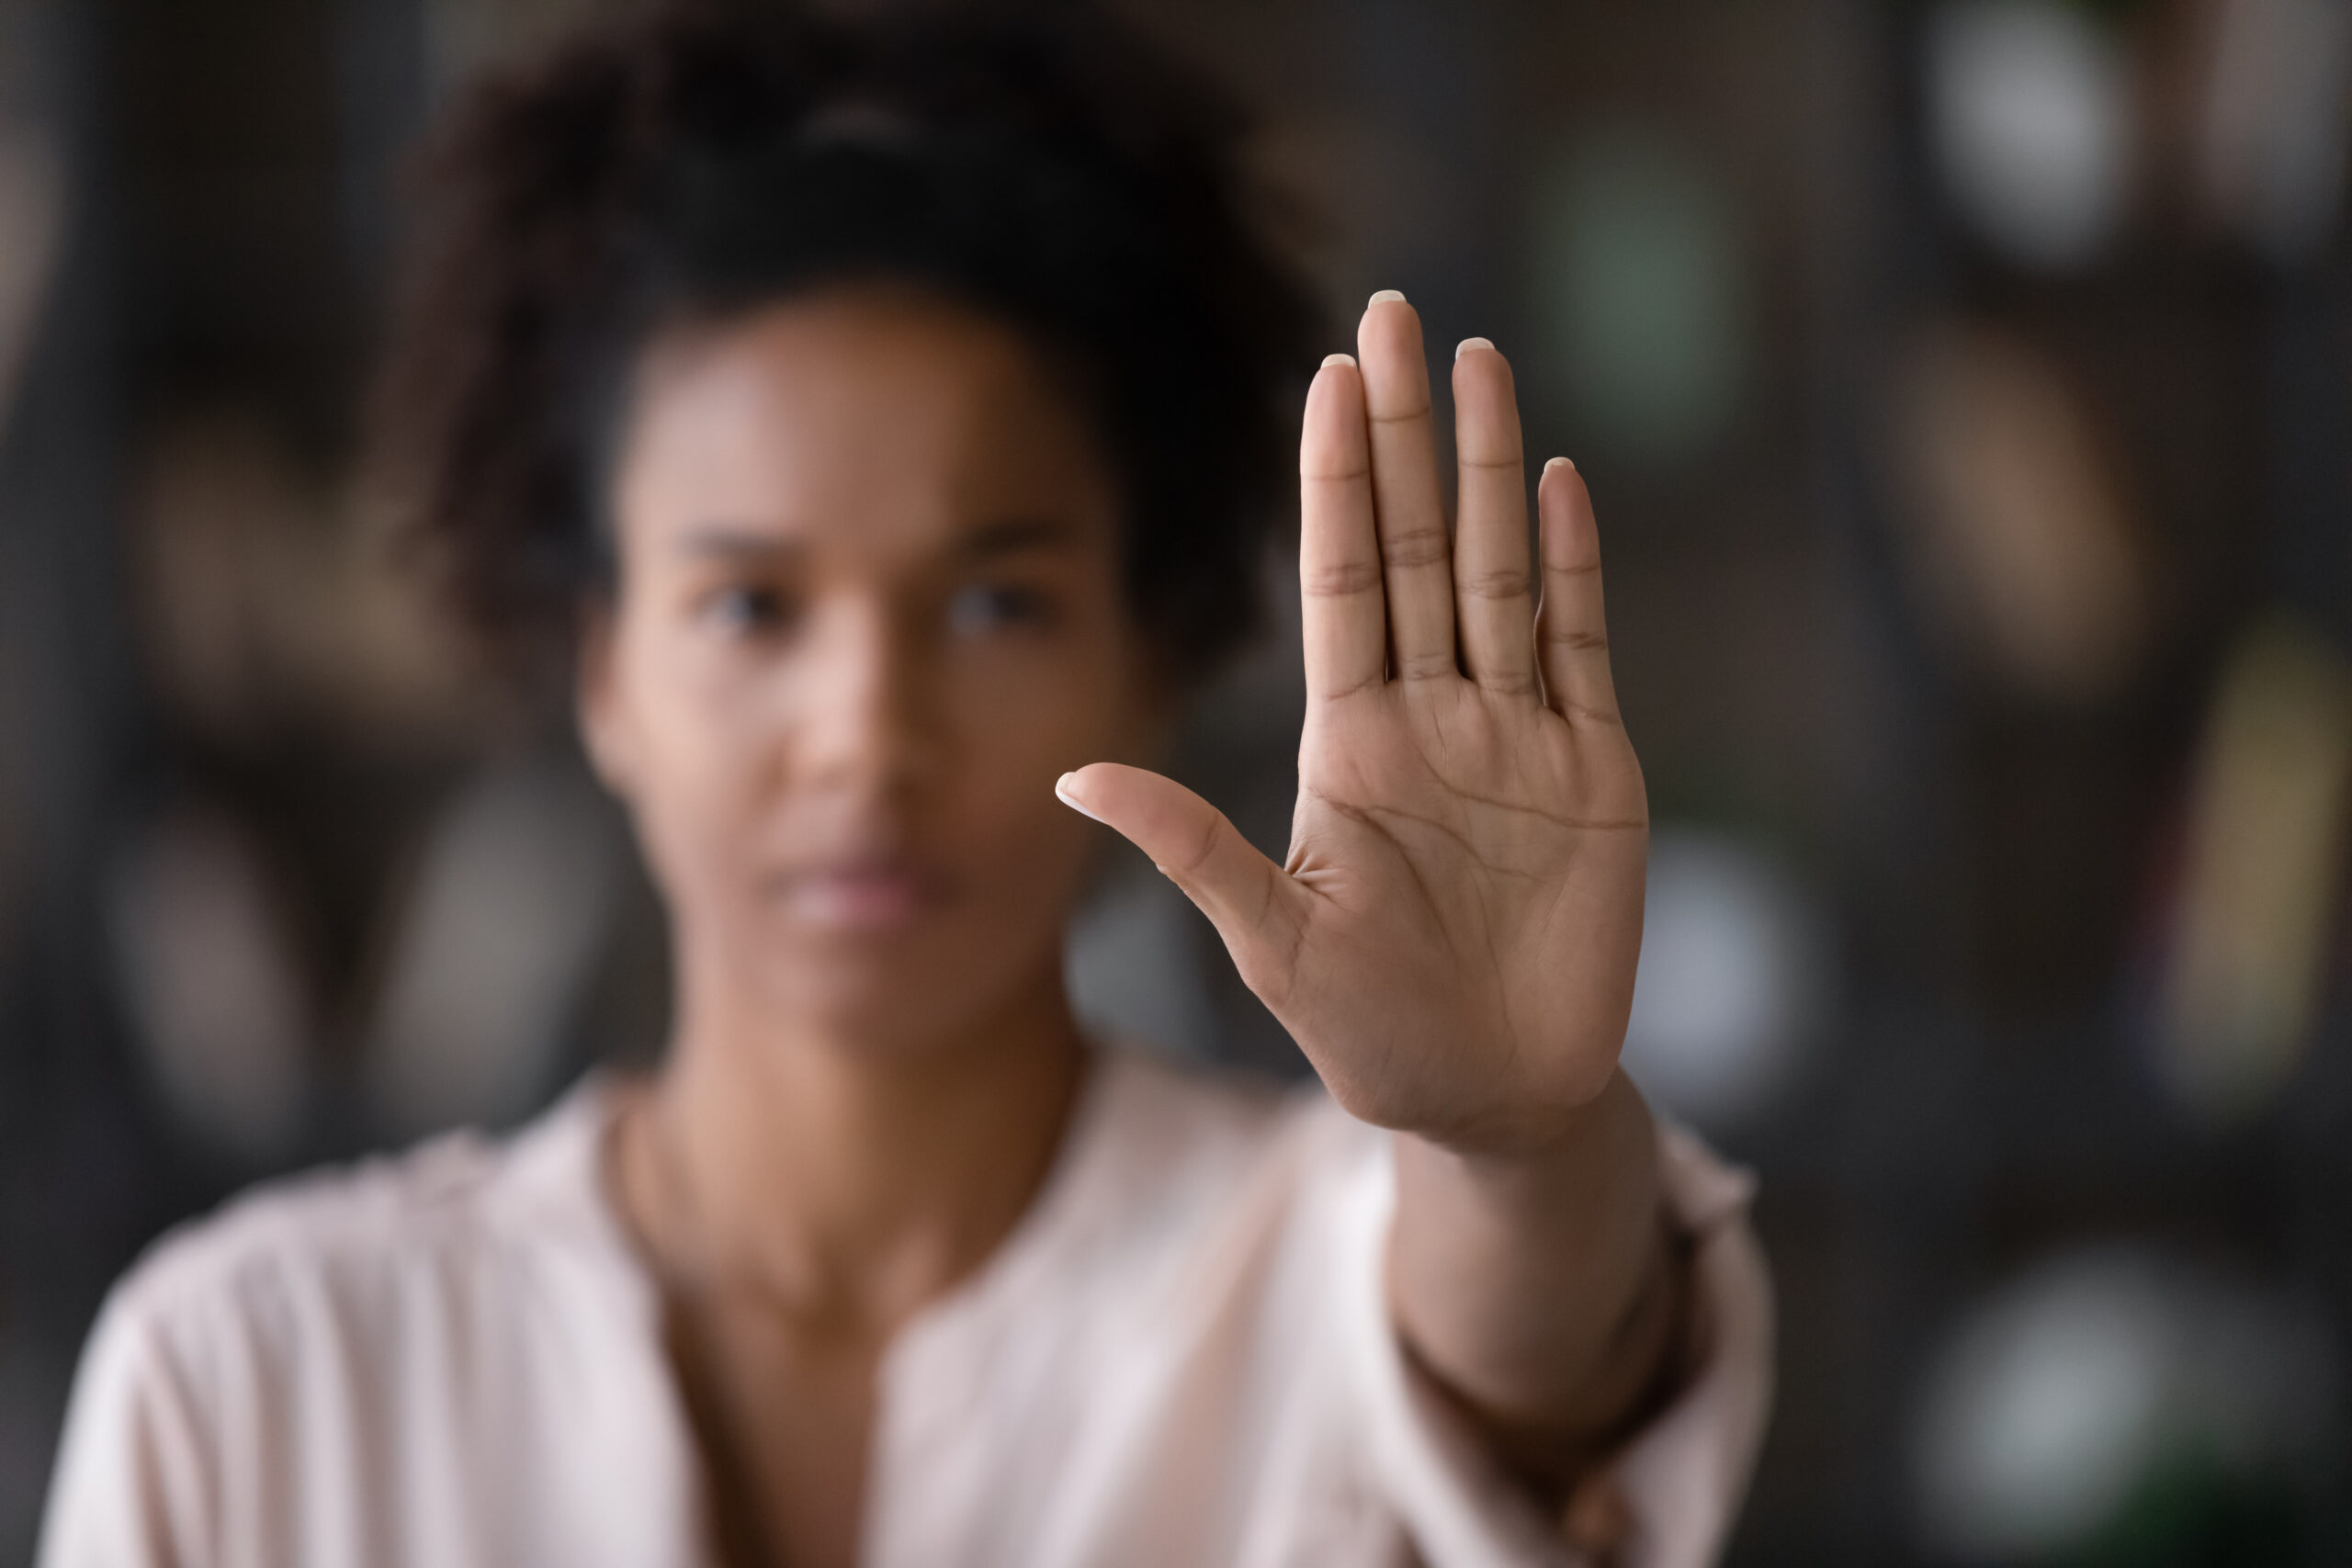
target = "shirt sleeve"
x: 1685, y: 1475
x: 130, y: 1488
x: 1682, y: 1477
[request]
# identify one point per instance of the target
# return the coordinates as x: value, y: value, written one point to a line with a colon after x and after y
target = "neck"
x: 848, y: 1186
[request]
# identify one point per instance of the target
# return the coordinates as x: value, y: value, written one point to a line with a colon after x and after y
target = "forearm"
x: 1540, y: 1289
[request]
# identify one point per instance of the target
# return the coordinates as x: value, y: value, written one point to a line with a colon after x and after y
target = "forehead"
x: 881, y: 421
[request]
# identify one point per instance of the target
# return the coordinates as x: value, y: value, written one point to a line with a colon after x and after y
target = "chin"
x: 905, y: 990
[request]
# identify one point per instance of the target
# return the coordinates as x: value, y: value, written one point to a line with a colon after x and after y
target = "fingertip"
x: 1385, y: 296
x: 1330, y: 432
x: 1467, y: 343
x: 1559, y: 482
x: 1561, y: 497
x: 1389, y: 354
x: 1066, y: 790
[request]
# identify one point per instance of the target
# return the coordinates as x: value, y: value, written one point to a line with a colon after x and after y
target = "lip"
x: 860, y: 898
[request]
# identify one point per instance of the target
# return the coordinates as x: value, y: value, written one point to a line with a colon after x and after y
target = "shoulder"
x: 355, y: 1237
x: 456, y: 1332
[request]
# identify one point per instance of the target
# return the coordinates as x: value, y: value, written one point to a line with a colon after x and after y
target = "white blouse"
x: 1181, y: 1355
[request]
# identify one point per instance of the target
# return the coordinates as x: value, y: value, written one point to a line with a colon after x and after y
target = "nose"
x: 866, y: 724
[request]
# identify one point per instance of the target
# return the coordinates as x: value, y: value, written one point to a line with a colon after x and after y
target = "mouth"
x: 862, y: 898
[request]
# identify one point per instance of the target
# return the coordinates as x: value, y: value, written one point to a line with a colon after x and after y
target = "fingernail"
x: 1386, y: 295
x: 1331, y: 360
x: 1559, y: 463
x: 1467, y: 343
x: 1061, y: 788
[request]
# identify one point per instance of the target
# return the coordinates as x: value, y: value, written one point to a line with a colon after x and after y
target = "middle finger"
x: 1415, y: 558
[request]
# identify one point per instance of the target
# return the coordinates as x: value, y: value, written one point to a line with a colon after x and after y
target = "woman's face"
x: 869, y: 610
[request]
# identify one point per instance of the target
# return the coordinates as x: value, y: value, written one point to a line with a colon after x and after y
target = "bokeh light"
x: 2031, y: 125
x: 1734, y: 984
x: 2243, y: 968
x: 1640, y: 284
x: 2112, y: 1380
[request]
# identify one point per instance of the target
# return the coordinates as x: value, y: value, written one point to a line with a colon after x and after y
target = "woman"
x: 882, y: 406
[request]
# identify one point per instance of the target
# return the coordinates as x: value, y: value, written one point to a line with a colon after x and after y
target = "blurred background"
x: 1967, y: 389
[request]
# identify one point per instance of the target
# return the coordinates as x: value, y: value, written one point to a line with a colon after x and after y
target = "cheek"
x: 1019, y: 725
x: 700, y: 751
x: 701, y: 745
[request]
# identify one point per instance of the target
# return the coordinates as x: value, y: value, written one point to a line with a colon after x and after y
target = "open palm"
x: 1452, y: 938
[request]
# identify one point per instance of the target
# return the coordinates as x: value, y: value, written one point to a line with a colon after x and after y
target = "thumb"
x: 1247, y: 897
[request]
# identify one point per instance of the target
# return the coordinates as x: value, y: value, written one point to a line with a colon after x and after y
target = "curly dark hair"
x: 1040, y: 164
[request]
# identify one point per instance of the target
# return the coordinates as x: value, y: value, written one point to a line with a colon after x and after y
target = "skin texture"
x: 868, y: 613
x: 1452, y: 937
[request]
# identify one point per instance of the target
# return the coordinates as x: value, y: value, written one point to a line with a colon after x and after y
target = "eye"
x: 984, y: 607
x: 743, y: 609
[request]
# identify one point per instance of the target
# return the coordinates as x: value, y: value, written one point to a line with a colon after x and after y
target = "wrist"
x: 1529, y: 1281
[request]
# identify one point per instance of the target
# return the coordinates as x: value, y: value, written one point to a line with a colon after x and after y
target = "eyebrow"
x: 1009, y: 536
x: 738, y: 544
x: 1015, y: 535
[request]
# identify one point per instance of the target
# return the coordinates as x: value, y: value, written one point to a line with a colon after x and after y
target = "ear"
x: 597, y: 700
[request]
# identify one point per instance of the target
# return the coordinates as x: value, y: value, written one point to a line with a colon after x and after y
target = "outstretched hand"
x: 1452, y: 938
